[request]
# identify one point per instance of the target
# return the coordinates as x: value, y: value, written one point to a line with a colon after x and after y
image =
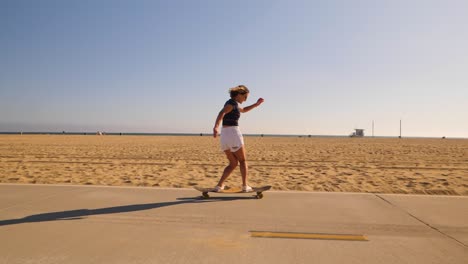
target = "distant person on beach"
x: 232, y: 141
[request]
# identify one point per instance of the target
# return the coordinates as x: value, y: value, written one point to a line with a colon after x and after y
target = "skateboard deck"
x: 258, y: 190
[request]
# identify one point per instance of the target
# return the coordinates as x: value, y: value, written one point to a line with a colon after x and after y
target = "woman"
x: 232, y: 141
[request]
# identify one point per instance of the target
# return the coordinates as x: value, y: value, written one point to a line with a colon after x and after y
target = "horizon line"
x: 207, y: 134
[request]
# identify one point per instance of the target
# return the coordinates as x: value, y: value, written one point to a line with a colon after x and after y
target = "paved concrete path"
x: 87, y: 224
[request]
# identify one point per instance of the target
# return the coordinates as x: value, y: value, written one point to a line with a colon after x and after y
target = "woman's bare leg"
x: 244, y: 168
x: 233, y: 161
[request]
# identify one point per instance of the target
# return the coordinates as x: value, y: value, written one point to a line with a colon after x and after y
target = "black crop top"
x: 232, y: 118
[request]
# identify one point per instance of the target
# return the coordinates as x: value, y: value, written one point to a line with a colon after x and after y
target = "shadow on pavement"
x: 82, y: 213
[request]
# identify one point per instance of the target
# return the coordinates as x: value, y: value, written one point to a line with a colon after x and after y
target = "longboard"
x: 258, y: 190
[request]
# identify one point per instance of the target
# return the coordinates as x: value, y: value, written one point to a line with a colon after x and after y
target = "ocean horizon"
x: 206, y: 134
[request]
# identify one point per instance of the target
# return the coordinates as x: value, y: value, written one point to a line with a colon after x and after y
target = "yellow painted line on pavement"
x: 267, y: 234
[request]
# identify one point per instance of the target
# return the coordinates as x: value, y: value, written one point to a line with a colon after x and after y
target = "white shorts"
x: 231, y: 139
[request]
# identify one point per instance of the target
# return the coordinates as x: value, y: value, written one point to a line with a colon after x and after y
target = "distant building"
x: 357, y: 133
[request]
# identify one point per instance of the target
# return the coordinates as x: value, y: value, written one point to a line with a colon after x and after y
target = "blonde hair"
x: 240, y: 89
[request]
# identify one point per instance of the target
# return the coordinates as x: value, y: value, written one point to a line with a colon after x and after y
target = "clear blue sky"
x: 323, y: 67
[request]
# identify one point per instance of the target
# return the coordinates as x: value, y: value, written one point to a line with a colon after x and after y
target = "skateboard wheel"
x: 205, y: 195
x: 259, y: 195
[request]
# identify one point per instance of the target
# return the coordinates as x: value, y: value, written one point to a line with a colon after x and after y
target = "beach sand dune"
x: 375, y: 165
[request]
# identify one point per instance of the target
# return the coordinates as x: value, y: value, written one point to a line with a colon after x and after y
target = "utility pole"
x: 400, y: 128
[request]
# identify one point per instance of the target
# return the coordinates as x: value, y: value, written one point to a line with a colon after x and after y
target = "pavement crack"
x: 424, y: 223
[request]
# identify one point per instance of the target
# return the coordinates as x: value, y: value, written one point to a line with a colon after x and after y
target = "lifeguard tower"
x: 357, y: 133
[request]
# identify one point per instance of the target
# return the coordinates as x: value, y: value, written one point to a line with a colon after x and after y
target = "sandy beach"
x: 373, y: 165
